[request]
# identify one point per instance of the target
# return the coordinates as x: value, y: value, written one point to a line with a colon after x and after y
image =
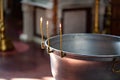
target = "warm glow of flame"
x: 60, y: 26
x: 76, y: 62
x: 47, y: 22
x: 41, y: 19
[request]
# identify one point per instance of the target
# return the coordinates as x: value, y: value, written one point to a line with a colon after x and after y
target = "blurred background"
x: 76, y: 16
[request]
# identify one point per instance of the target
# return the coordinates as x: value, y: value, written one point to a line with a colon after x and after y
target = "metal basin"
x: 87, y: 57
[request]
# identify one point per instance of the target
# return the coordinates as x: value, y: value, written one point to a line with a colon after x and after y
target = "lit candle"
x: 47, y: 30
x: 60, y: 37
x: 62, y: 54
x: 41, y: 30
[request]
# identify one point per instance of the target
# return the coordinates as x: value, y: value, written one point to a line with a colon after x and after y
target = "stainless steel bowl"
x: 88, y: 57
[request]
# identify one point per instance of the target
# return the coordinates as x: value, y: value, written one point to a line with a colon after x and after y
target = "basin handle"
x: 115, y: 65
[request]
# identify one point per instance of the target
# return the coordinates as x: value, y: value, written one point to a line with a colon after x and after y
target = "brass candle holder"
x: 96, y: 19
x: 5, y: 44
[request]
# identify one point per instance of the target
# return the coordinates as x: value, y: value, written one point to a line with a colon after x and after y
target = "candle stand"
x: 5, y: 44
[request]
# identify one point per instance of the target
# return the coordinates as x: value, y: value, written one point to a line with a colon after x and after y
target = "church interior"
x: 25, y: 25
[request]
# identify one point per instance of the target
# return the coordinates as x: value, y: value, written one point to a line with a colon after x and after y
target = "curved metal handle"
x: 116, y: 66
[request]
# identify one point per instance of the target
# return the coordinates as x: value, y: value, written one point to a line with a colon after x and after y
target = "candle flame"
x: 47, y: 22
x: 41, y: 19
x: 60, y: 26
